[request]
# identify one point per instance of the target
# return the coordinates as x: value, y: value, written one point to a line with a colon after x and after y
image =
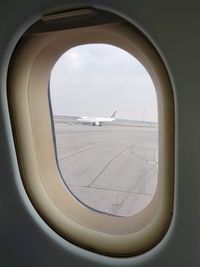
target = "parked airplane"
x: 97, y: 121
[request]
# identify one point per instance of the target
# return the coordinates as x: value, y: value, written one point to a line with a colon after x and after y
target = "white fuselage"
x: 94, y: 119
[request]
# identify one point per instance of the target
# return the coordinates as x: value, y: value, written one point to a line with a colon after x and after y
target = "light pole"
x: 144, y: 113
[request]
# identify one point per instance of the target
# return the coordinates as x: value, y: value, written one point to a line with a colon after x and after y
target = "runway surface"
x: 111, y: 169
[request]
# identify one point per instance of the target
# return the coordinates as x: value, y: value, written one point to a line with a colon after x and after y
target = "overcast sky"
x: 97, y: 79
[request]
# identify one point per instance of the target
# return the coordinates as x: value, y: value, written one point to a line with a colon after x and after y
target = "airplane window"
x: 105, y: 118
x: 95, y: 178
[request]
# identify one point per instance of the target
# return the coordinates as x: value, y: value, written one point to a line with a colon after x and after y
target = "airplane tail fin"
x: 114, y: 115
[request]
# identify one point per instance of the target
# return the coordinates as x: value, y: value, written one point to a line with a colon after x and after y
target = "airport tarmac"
x: 112, y: 169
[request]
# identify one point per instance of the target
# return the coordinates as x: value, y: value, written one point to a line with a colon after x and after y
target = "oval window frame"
x: 28, y: 98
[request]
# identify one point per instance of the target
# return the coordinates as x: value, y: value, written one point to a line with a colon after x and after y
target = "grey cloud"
x: 94, y: 80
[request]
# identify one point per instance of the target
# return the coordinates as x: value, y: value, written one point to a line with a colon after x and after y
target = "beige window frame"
x: 30, y: 111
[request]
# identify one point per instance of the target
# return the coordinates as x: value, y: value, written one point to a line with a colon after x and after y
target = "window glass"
x: 106, y: 128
